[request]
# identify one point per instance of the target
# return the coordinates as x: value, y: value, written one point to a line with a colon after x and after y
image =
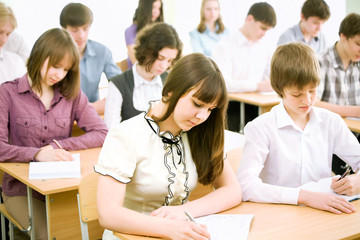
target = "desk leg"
x: 242, y: 117
x: 31, y: 213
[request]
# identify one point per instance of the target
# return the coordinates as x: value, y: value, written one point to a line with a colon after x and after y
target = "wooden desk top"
x: 354, y: 125
x: 255, y: 98
x: 20, y: 171
x: 283, y: 222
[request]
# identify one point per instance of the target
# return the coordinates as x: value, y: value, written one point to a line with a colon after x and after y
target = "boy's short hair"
x: 350, y: 25
x: 75, y: 15
x: 294, y: 65
x: 315, y: 8
x: 263, y: 12
x: 7, y: 15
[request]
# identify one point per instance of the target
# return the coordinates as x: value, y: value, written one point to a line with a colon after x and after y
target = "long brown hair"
x: 143, y: 14
x: 202, y: 26
x: 196, y: 71
x: 55, y: 44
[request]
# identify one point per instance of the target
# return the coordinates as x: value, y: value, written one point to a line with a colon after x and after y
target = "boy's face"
x: 80, y: 34
x: 312, y: 25
x: 298, y: 102
x: 257, y: 29
x: 351, y: 47
x: 5, y: 30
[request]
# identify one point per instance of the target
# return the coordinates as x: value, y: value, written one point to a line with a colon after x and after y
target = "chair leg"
x: 3, y: 228
x: 11, y: 230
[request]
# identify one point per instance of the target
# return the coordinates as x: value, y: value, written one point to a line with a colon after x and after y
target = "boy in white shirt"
x: 293, y: 143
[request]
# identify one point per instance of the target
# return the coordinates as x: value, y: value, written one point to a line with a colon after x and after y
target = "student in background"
x: 95, y: 57
x: 271, y: 169
x: 158, y: 47
x: 148, y: 11
x: 210, y: 29
x: 154, y: 160
x: 11, y: 64
x: 37, y: 109
x: 16, y: 44
x: 244, y: 60
x: 314, y: 13
x: 339, y: 89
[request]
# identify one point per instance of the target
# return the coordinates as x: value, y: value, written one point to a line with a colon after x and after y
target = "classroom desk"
x: 354, y: 125
x: 283, y: 222
x: 263, y: 101
x: 61, y: 201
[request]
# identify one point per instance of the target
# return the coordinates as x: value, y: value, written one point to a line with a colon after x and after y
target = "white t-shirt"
x: 11, y: 66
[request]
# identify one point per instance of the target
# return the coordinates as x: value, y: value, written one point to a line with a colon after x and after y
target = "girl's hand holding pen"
x: 349, y: 185
x: 49, y: 154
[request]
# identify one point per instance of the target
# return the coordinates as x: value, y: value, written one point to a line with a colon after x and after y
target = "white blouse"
x: 156, y: 172
x: 278, y: 156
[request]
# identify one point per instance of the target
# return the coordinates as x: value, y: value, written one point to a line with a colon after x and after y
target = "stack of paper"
x: 63, y: 169
x: 227, y: 226
x: 323, y: 185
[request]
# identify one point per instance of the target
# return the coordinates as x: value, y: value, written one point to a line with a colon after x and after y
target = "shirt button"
x: 45, y: 127
x: 43, y: 141
x: 44, y: 113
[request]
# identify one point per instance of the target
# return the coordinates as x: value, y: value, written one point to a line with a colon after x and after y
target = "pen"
x: 190, y: 217
x: 345, y: 173
x: 354, y: 199
x: 57, y: 143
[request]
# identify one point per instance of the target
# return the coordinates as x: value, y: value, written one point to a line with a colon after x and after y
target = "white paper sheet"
x: 227, y: 226
x: 63, y: 169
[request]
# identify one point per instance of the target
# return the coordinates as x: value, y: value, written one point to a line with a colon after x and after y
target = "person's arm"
x: 115, y: 217
x: 343, y: 111
x: 131, y: 53
x: 195, y: 42
x: 99, y: 106
x: 110, y: 67
x: 113, y: 106
x: 89, y: 121
x: 227, y: 194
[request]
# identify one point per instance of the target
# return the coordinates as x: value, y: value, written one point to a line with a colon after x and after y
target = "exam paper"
x: 227, y: 226
x: 63, y: 169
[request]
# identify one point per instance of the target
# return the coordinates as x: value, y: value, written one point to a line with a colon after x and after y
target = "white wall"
x: 111, y: 17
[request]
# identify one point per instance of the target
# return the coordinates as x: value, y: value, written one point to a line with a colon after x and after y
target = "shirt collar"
x: 298, y: 33
x: 89, y: 50
x: 138, y: 80
x: 283, y: 119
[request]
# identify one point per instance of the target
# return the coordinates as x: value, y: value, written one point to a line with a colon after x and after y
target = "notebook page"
x: 58, y: 169
x: 323, y: 185
x: 227, y: 226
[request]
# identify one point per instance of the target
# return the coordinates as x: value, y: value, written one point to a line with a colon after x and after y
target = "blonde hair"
x: 202, y: 26
x: 7, y: 15
x: 294, y: 65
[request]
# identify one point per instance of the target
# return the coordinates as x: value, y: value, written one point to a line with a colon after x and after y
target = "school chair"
x: 87, y: 204
x: 123, y: 65
x: 6, y: 216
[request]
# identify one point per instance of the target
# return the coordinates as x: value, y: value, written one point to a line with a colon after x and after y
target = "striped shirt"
x: 338, y: 86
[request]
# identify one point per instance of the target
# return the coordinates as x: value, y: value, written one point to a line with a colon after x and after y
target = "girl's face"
x: 156, y: 10
x: 165, y: 57
x: 211, y: 11
x: 298, y: 102
x: 5, y: 31
x: 190, y: 112
x: 55, y: 73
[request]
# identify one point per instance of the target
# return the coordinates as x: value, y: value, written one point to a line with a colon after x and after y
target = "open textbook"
x: 227, y: 226
x: 63, y: 169
x: 323, y: 185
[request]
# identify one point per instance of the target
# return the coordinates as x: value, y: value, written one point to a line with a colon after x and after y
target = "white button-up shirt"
x: 279, y: 157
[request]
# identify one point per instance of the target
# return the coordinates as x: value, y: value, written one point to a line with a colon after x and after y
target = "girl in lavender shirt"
x: 37, y: 112
x: 147, y: 12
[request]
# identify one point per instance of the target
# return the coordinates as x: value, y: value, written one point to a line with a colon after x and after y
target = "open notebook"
x: 323, y: 185
x: 48, y: 170
x: 227, y: 226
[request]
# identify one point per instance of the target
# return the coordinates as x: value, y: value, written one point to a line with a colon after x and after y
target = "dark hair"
x: 55, y: 44
x: 143, y: 14
x: 202, y: 26
x: 196, y: 71
x: 153, y: 38
x: 263, y: 12
x: 350, y: 25
x: 294, y: 64
x: 75, y: 15
x: 315, y: 8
